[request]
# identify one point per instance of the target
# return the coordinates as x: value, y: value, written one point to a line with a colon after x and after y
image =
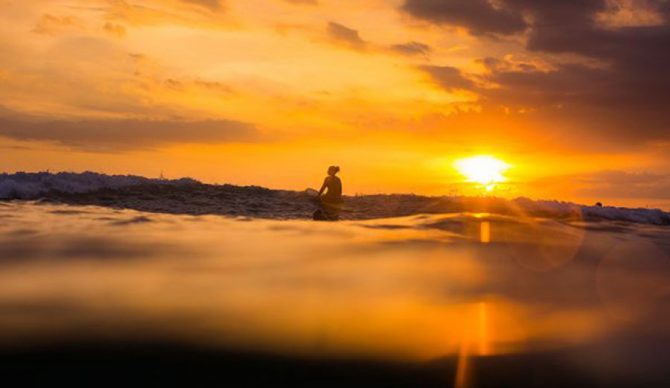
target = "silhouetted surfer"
x: 330, y: 197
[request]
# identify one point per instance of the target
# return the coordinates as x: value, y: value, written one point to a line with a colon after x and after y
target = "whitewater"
x: 188, y: 196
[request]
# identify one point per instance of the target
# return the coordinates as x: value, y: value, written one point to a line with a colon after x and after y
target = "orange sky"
x: 271, y: 92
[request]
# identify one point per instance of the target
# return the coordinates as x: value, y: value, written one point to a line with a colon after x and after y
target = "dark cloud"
x: 479, y: 16
x: 114, y: 135
x: 608, y: 101
x: 411, y: 48
x: 448, y: 77
x: 582, y: 102
x: 572, y: 27
x: 626, y: 96
x: 345, y: 35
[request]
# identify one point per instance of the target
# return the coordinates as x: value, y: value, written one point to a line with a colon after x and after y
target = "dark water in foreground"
x: 97, y: 295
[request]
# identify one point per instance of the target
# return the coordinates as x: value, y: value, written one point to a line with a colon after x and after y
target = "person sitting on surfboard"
x: 330, y: 196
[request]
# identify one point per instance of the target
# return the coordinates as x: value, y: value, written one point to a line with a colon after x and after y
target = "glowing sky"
x: 572, y: 94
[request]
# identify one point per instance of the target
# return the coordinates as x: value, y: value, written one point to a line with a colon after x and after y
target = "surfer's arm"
x: 323, y: 186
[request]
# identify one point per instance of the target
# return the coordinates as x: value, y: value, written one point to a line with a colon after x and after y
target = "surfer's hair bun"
x: 336, y: 169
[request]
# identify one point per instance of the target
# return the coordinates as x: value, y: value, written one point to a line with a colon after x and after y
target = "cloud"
x: 630, y: 13
x: 114, y: 29
x: 310, y: 2
x: 448, y: 77
x: 611, y: 101
x: 346, y: 35
x: 194, y: 13
x: 411, y: 48
x: 621, y: 91
x: 575, y: 100
x: 479, y: 16
x: 51, y: 25
x: 117, y: 135
x: 621, y: 184
x: 213, y: 5
x: 569, y: 26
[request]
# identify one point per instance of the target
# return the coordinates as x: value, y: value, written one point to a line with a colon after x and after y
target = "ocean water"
x: 466, y: 286
x: 188, y: 196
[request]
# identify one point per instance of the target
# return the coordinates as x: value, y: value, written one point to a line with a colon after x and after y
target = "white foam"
x: 33, y: 185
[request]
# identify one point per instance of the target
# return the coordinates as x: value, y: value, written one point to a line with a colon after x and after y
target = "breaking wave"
x: 188, y: 196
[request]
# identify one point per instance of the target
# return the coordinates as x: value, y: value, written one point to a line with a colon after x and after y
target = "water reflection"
x: 412, y: 288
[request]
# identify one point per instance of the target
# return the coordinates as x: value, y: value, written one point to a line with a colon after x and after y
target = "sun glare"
x: 483, y: 169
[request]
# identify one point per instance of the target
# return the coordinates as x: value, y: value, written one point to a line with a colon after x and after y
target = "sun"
x: 483, y: 169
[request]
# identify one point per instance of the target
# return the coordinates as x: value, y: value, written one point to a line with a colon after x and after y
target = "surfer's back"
x: 334, y: 185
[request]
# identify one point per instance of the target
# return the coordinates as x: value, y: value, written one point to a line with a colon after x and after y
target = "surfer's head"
x: 332, y: 170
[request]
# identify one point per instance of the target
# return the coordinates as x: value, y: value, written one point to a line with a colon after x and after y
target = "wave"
x: 189, y: 196
x: 22, y: 185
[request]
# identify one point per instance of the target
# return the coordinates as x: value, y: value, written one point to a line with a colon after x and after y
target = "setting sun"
x: 483, y: 169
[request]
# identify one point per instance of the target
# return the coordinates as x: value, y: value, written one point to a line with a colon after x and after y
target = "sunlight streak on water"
x: 474, y: 343
x: 485, y: 232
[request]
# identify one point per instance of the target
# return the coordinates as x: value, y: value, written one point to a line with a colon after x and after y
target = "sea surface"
x: 461, y: 298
